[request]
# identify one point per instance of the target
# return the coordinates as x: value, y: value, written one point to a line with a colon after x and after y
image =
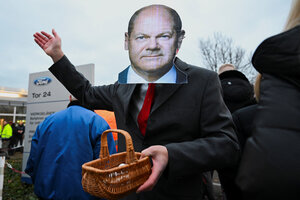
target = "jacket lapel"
x: 162, y: 93
x: 122, y: 78
x: 165, y: 91
x: 126, y: 92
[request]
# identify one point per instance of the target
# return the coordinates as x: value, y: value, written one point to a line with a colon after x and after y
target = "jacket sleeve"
x: 217, y: 145
x: 33, y: 156
x: 98, y: 97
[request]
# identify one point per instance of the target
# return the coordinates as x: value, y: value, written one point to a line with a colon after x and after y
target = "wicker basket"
x: 107, y: 178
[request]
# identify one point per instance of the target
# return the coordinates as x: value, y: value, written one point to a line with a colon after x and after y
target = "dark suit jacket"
x: 191, y: 120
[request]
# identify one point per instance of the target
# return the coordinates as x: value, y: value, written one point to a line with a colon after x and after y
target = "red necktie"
x: 145, y: 111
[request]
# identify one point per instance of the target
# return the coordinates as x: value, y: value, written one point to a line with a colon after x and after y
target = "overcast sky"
x: 92, y: 31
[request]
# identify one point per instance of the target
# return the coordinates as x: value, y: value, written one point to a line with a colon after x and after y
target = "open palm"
x: 50, y: 44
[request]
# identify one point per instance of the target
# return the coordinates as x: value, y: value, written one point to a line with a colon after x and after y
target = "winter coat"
x: 270, y: 165
x: 62, y: 143
x: 7, y: 132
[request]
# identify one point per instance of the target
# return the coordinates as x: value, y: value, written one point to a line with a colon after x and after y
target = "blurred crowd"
x: 12, y: 136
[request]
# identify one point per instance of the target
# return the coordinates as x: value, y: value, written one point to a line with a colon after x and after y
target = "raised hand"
x: 160, y: 160
x: 50, y: 44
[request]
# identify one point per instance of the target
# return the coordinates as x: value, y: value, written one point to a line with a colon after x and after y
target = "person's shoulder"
x: 59, y: 115
x: 189, y: 68
x: 48, y: 120
x: 53, y: 116
x: 85, y: 113
x: 78, y: 110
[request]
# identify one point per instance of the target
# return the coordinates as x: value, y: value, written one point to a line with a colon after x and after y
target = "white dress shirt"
x: 169, y: 77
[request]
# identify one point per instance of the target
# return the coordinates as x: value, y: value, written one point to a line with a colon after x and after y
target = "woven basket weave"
x: 106, y: 178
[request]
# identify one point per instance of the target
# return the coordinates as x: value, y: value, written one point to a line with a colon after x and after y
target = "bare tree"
x: 220, y: 50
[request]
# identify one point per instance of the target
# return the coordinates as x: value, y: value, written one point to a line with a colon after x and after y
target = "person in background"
x: 244, y: 117
x: 184, y: 125
x: 62, y: 143
x: 270, y: 165
x: 6, y: 135
x: 21, y: 130
x: 237, y: 93
x: 244, y: 120
x: 13, y: 140
x: 225, y: 67
x: 237, y: 90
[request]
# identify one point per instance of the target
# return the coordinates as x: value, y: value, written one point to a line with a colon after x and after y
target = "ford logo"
x: 42, y: 81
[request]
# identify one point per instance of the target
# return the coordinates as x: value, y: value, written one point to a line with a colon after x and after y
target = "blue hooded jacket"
x: 62, y: 143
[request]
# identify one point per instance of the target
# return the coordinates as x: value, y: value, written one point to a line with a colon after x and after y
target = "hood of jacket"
x: 279, y: 55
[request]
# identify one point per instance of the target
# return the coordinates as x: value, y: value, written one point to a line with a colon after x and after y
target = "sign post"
x: 2, y: 163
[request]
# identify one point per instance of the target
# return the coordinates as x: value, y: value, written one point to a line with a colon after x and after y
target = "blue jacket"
x: 61, y: 144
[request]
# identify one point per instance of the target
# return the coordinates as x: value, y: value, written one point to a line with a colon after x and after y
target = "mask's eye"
x: 140, y: 37
x: 165, y: 36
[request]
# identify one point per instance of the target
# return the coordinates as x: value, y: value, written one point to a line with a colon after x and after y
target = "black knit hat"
x: 237, y: 90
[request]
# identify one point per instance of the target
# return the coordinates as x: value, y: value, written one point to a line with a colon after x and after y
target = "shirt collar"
x: 169, y: 77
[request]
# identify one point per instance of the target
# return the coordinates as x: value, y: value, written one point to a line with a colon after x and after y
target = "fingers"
x: 149, y: 151
x: 54, y: 33
x: 143, y: 155
x: 152, y: 180
x: 47, y: 35
x: 43, y: 37
x: 43, y: 40
x: 159, y: 156
x: 39, y: 43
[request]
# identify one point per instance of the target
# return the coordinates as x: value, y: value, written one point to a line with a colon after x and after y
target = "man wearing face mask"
x: 174, y: 111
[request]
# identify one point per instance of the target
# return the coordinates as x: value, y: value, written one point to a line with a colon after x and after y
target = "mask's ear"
x: 179, y: 41
x: 126, y: 41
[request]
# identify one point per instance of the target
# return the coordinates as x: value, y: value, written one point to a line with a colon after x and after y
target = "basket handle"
x: 104, y: 153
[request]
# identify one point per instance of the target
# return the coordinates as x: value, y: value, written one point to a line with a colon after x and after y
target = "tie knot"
x: 151, y: 86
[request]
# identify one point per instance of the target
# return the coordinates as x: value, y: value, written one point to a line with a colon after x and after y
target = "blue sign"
x: 42, y: 81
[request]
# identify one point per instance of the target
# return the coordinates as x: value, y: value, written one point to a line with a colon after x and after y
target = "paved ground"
x: 17, y: 155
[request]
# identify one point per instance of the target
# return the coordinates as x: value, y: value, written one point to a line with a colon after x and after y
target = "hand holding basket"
x: 115, y: 176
